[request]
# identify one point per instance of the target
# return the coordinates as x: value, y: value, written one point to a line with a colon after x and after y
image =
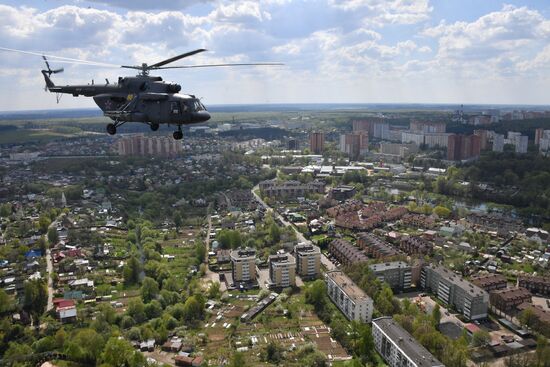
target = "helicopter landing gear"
x: 111, y: 129
x: 178, y: 135
x: 154, y: 127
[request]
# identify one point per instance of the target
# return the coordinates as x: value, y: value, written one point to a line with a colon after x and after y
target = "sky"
x: 334, y: 51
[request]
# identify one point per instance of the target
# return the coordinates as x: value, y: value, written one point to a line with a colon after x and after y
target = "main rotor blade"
x: 60, y: 58
x: 175, y: 58
x: 218, y: 65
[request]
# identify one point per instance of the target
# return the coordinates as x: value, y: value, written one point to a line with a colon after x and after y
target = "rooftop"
x: 388, y: 266
x: 416, y: 352
x: 243, y: 253
x: 284, y: 258
x: 347, y: 285
x: 459, y: 281
x: 306, y: 248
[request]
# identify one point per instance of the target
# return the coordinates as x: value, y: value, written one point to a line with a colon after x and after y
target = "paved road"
x: 324, y: 260
x: 49, y: 268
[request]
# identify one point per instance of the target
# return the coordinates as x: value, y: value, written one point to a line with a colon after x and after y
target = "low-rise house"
x: 65, y: 310
x: 508, y: 299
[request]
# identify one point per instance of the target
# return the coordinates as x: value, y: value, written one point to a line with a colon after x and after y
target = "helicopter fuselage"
x: 143, y: 98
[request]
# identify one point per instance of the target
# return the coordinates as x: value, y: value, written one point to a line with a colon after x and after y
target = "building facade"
x: 398, y: 274
x: 348, y: 297
x: 535, y: 284
x: 508, y: 299
x: 398, y: 347
x: 308, y: 260
x: 450, y: 288
x: 282, y: 270
x: 317, y: 143
x: 490, y: 282
x: 463, y: 147
x: 159, y: 146
x: 290, y: 189
x: 243, y: 265
x: 346, y: 253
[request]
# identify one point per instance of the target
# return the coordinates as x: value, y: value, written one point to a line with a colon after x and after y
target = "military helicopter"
x: 142, y: 98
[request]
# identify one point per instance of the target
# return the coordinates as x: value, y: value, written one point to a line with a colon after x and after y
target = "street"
x: 324, y: 260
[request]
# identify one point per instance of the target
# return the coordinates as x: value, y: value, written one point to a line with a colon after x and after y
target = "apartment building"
x: 346, y: 253
x: 508, y: 299
x: 398, y: 347
x: 290, y: 189
x: 159, y: 146
x: 374, y: 246
x: 450, y: 288
x: 490, y: 282
x: 398, y: 274
x: 308, y: 260
x: 317, y: 143
x: 243, y: 265
x: 535, y: 284
x: 348, y: 297
x: 282, y: 270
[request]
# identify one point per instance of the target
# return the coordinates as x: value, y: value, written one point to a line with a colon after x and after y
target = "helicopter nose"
x: 201, y: 116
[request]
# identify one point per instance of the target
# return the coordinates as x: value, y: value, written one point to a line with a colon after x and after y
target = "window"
x: 175, y: 108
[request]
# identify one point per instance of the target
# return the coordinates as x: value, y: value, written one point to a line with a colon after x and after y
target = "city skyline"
x: 334, y: 51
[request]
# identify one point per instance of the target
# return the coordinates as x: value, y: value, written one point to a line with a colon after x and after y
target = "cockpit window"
x: 198, y: 106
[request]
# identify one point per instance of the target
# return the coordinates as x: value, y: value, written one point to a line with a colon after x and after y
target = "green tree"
x: 436, y: 315
x: 178, y: 221
x: 442, y: 212
x: 5, y: 302
x: 273, y: 353
x: 132, y: 270
x: 274, y: 233
x: 120, y: 353
x: 44, y: 222
x: 35, y: 298
x: 214, y: 290
x: 136, y: 310
x: 149, y: 289
x: 193, y: 309
x: 53, y: 236
x: 481, y: 338
x: 316, y: 294
x: 237, y: 360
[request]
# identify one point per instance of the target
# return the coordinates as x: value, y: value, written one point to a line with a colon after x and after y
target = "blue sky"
x: 394, y: 51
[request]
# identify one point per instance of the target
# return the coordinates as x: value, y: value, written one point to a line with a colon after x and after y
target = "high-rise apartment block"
x: 520, y: 142
x: 348, y: 297
x: 159, y: 146
x: 450, y: 288
x: 463, y: 147
x: 308, y: 260
x: 317, y: 143
x: 282, y: 270
x: 427, y: 127
x: 498, y: 143
x: 243, y: 265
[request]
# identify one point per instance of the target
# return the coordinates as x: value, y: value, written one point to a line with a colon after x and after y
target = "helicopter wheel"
x: 154, y: 127
x: 111, y: 129
x: 178, y: 135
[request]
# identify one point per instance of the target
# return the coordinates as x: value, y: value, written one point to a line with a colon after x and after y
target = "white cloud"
x: 151, y: 5
x: 380, y: 12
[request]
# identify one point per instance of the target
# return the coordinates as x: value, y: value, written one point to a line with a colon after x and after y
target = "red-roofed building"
x: 65, y: 309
